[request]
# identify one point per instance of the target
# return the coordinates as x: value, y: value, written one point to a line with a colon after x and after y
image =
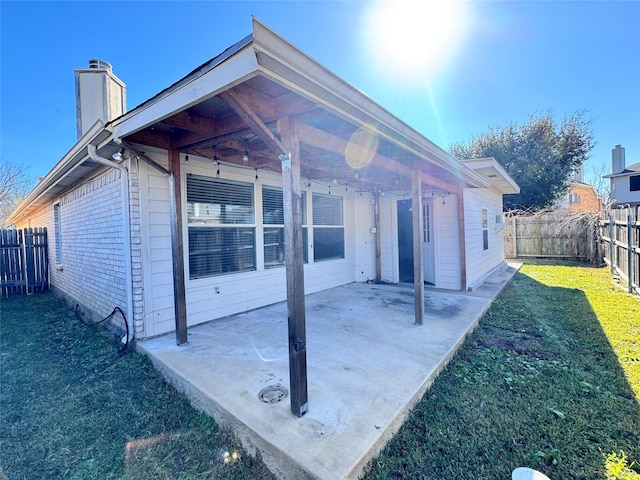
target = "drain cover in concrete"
x: 273, y: 394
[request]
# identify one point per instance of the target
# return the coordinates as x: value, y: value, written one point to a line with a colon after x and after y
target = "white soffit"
x: 494, y: 173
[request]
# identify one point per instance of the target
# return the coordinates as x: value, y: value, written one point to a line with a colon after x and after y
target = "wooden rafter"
x: 244, y: 111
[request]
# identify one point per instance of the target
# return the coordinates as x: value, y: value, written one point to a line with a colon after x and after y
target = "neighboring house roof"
x: 270, y: 79
x: 630, y: 170
x: 494, y: 173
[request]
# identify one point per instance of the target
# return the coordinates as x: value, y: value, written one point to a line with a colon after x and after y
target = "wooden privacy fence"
x: 24, y: 265
x: 619, y: 230
x: 552, y: 235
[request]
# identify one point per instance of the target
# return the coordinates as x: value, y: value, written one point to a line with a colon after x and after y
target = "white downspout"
x: 124, y: 180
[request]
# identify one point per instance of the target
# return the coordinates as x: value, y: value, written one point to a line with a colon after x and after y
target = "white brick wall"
x: 92, y: 271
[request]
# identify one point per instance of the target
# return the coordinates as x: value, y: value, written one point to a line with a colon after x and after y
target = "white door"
x: 428, y: 255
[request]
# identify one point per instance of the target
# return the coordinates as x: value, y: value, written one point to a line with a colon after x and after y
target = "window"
x: 485, y: 229
x: 634, y: 183
x: 328, y: 227
x: 58, y: 232
x: 221, y: 222
x: 573, y: 198
x: 426, y: 223
x: 273, y: 220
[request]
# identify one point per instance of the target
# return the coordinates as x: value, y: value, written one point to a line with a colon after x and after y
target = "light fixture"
x: 186, y: 159
x: 335, y: 180
x: 218, y: 172
x: 245, y: 154
x: 256, y: 175
x: 119, y: 155
x: 308, y: 182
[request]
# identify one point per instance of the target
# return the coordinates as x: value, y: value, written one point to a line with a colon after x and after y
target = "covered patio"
x: 368, y: 365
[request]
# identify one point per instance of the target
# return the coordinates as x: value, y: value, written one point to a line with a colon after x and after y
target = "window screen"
x: 328, y: 227
x: 215, y: 208
x: 273, y: 220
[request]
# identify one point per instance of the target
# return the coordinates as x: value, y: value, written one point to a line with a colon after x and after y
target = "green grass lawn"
x: 72, y: 407
x: 550, y: 379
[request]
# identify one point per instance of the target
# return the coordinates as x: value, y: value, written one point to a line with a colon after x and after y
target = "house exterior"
x: 625, y: 181
x: 177, y: 211
x: 580, y: 197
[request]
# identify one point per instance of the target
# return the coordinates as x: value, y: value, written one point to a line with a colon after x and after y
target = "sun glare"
x: 416, y: 38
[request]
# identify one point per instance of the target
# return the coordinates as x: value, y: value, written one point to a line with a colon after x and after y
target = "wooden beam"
x: 376, y: 217
x: 144, y: 157
x: 294, y: 268
x: 418, y: 266
x: 462, y: 242
x: 244, y: 111
x: 177, y: 248
x: 324, y: 140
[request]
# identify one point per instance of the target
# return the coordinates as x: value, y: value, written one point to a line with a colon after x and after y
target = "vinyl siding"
x: 219, y: 296
x: 479, y: 261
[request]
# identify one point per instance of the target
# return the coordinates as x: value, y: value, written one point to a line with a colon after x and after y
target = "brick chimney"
x: 99, y: 95
x: 617, y: 159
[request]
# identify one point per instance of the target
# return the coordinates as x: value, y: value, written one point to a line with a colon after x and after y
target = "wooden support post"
x: 177, y: 248
x: 294, y: 267
x: 418, y: 265
x: 376, y: 222
x: 462, y: 242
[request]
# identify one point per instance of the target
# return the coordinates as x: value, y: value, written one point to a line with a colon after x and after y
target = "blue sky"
x: 508, y: 60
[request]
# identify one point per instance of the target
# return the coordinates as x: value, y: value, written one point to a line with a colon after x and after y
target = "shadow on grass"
x: 72, y: 406
x: 537, y: 384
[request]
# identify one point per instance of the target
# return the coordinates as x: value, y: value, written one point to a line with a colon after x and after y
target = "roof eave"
x: 74, y: 157
x: 283, y: 62
x: 490, y: 162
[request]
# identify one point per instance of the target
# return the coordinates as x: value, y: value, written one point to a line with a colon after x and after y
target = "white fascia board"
x: 241, y: 66
x: 284, y: 63
x: 72, y: 159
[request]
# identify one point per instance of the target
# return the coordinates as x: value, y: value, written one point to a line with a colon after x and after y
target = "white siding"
x: 389, y: 238
x: 218, y: 296
x: 481, y: 262
x: 446, y: 237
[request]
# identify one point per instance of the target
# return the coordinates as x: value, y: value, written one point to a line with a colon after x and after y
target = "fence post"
x: 629, y: 252
x: 611, y: 264
x: 29, y: 260
x: 515, y: 238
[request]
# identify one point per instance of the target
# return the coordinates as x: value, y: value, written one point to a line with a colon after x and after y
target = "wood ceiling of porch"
x: 214, y: 127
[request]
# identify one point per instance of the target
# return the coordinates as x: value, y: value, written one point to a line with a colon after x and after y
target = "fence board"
x: 619, y: 231
x: 551, y: 235
x: 23, y: 261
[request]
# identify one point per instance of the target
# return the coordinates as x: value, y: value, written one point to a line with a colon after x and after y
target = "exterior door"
x: 428, y: 253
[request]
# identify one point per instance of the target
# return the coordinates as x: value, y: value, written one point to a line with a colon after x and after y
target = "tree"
x: 15, y: 184
x: 540, y: 155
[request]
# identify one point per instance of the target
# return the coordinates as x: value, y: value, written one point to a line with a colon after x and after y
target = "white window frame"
x: 232, y: 258
x: 326, y: 226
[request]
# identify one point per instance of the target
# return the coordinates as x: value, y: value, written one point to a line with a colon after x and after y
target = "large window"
x: 273, y: 220
x: 328, y: 227
x: 634, y: 183
x: 220, y: 215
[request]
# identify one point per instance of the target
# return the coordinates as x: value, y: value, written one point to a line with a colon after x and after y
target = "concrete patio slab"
x: 368, y: 364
